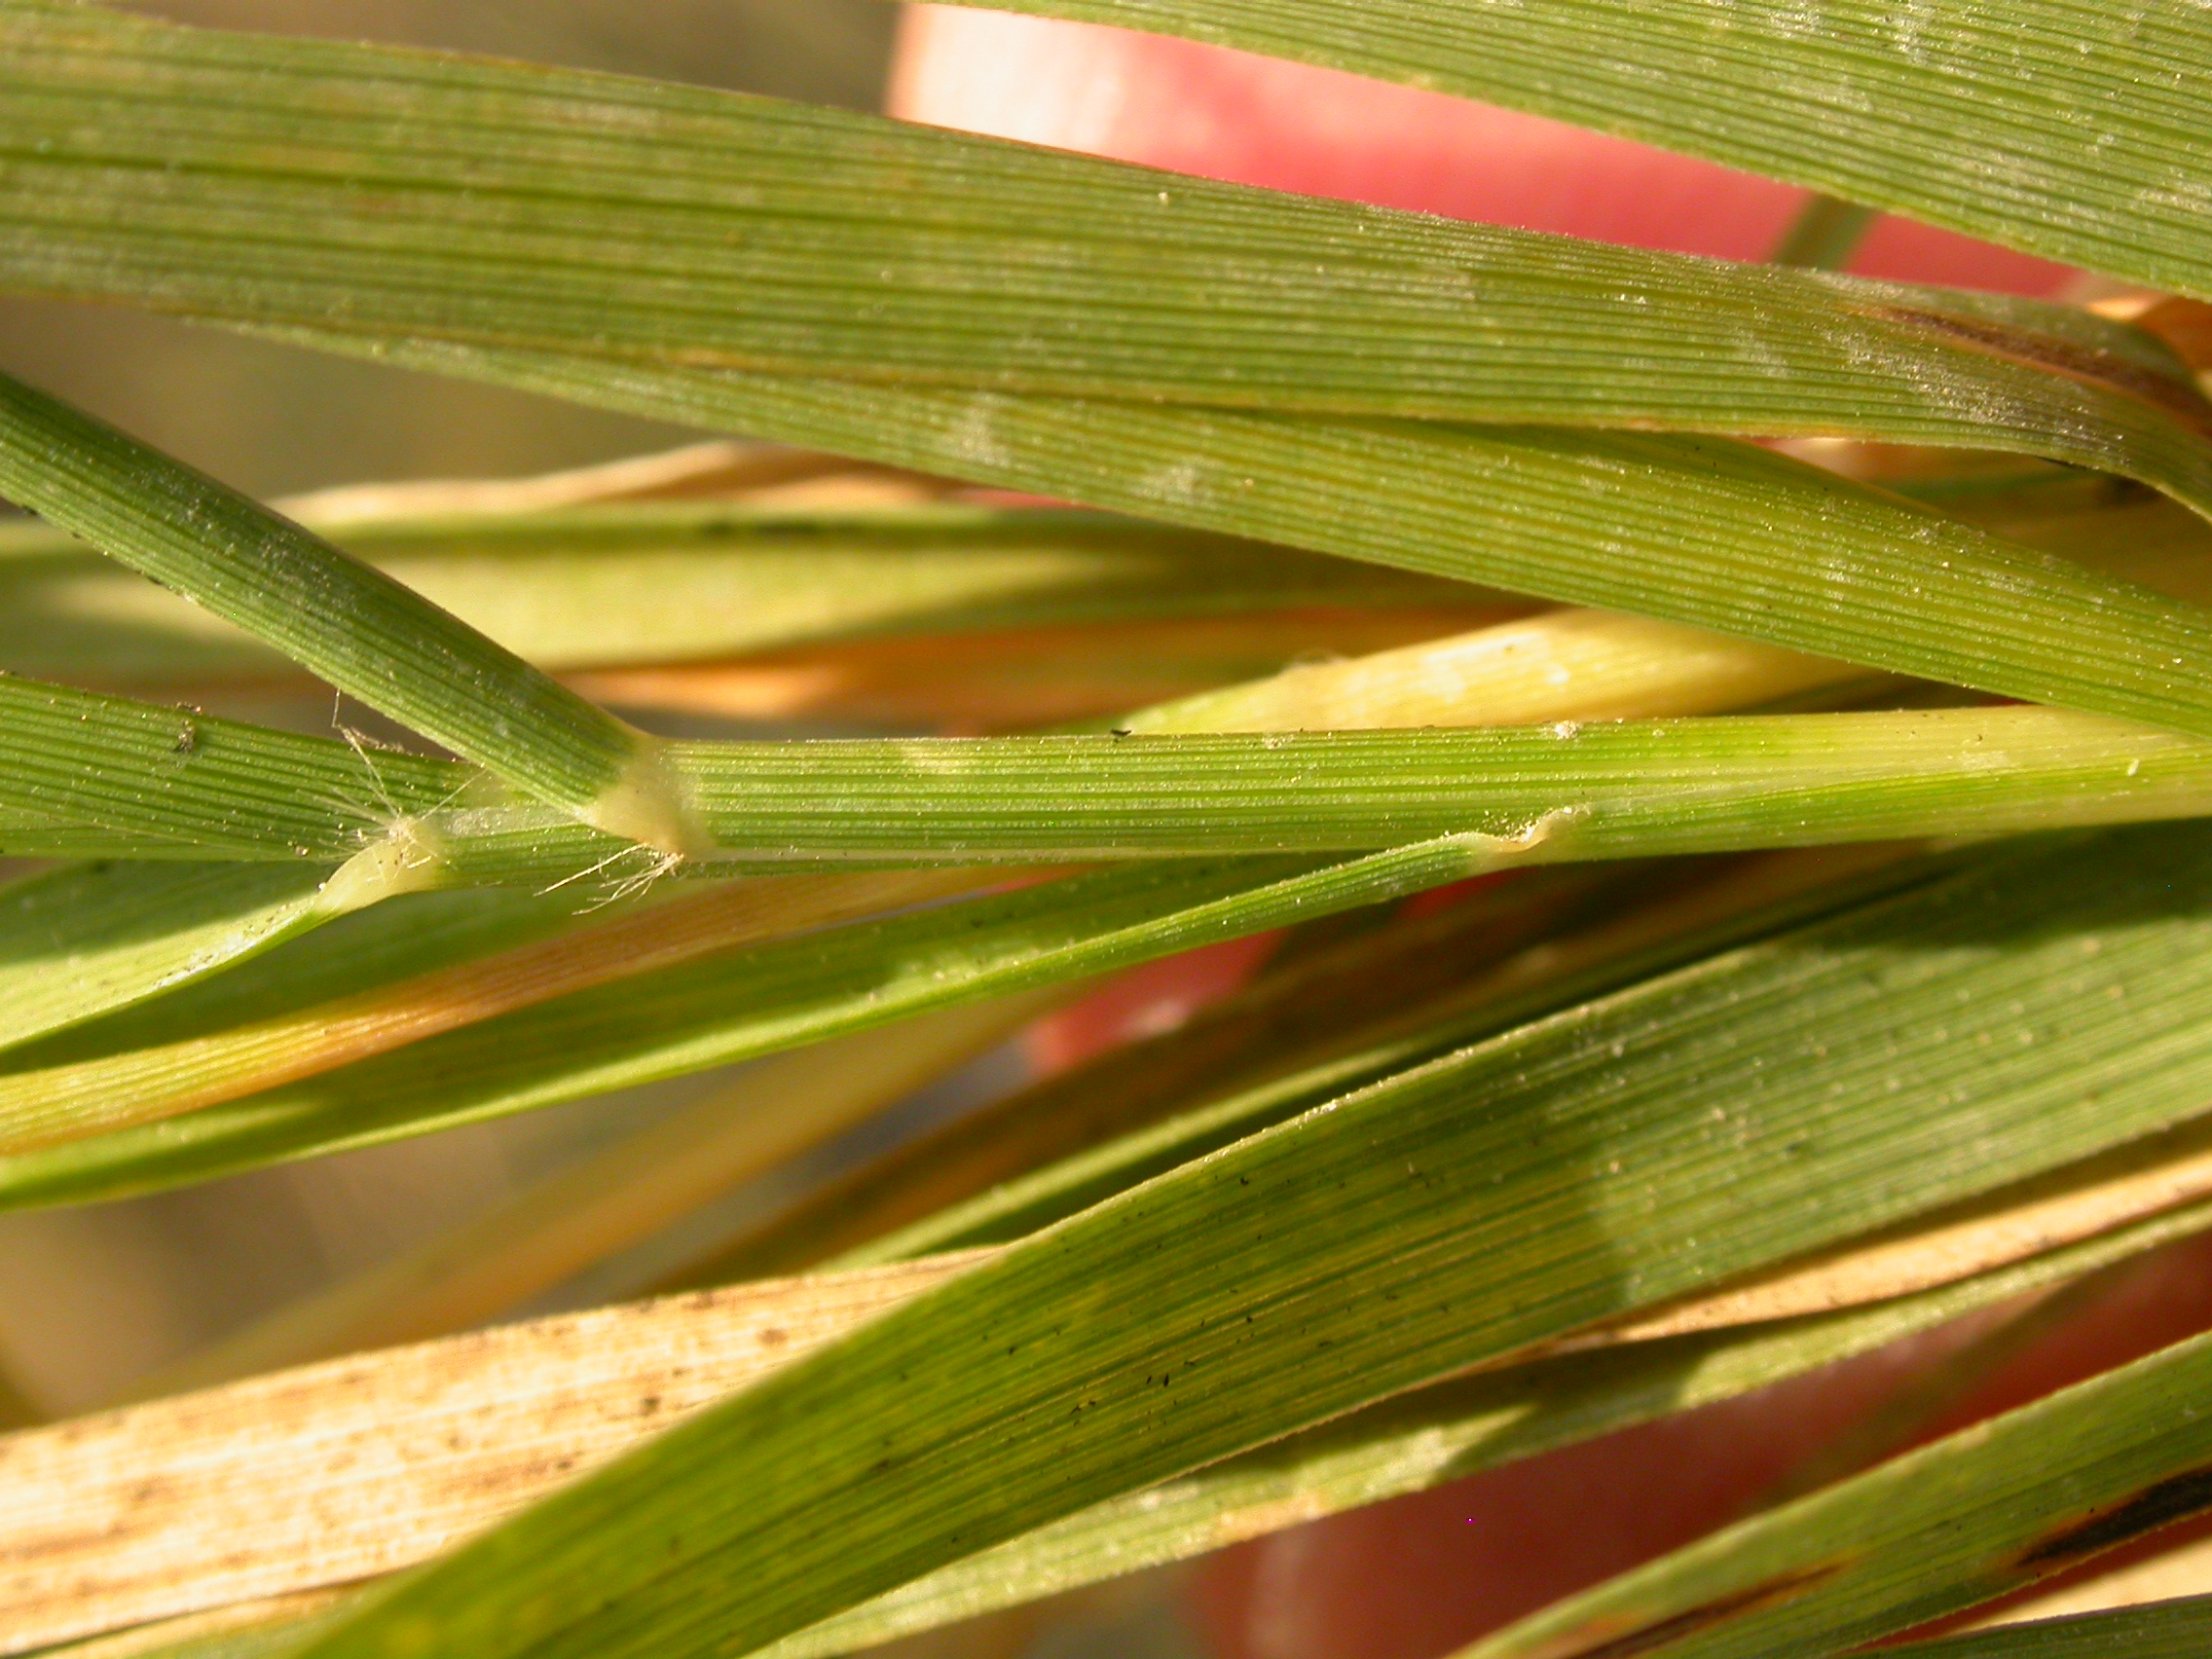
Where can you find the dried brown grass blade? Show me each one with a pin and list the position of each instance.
(345, 1471)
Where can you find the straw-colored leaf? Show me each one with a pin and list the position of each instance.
(361, 1465)
(1564, 664)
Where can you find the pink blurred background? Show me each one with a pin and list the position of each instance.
(1230, 115)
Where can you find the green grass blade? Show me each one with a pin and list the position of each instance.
(593, 587)
(167, 784)
(2160, 1630)
(412, 935)
(92, 776)
(378, 192)
(1154, 1137)
(354, 626)
(1961, 1521)
(1388, 1241)
(1471, 800)
(2071, 130)
(1432, 1436)
(1545, 794)
(1322, 998)
(1419, 1440)
(722, 1009)
(1704, 531)
(87, 941)
(134, 1071)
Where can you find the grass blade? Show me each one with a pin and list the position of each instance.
(1079, 675)
(680, 582)
(536, 1400)
(358, 629)
(314, 183)
(1432, 1436)
(1553, 793)
(132, 778)
(1963, 1521)
(1366, 1248)
(723, 1010)
(1701, 532)
(2169, 1630)
(1825, 236)
(1152, 1133)
(2185, 1570)
(153, 782)
(84, 942)
(582, 1214)
(1534, 796)
(93, 776)
(48, 1098)
(1562, 665)
(389, 1407)
(1270, 1026)
(2064, 129)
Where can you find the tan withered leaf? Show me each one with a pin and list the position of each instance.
(352, 1468)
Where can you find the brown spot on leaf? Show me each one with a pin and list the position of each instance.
(2076, 361)
(2159, 1504)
